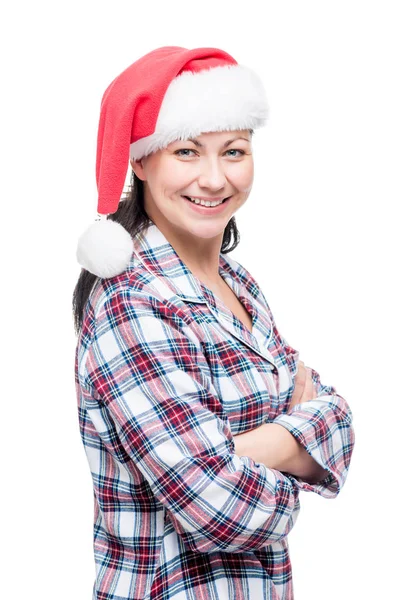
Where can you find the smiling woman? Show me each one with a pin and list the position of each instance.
(192, 193)
(178, 353)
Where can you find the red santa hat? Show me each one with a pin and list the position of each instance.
(169, 94)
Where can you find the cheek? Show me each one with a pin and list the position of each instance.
(177, 176)
(243, 178)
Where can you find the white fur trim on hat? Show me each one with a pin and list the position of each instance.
(218, 99)
(105, 248)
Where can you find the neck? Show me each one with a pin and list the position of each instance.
(200, 255)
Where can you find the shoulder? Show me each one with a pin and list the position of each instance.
(132, 295)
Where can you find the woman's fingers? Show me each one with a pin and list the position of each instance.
(309, 391)
(304, 389)
(314, 390)
(312, 386)
(299, 382)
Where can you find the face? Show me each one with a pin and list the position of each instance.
(215, 166)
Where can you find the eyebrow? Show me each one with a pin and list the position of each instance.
(199, 145)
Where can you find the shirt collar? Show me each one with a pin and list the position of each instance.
(159, 257)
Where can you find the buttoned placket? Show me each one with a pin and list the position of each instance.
(258, 339)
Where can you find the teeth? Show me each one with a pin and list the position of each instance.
(205, 202)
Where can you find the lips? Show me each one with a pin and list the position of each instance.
(209, 211)
(224, 200)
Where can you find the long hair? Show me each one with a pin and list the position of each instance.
(132, 215)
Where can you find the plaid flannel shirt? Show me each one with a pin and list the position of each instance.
(165, 376)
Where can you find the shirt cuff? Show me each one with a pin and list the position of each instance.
(307, 432)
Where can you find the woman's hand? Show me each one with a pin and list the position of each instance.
(265, 444)
(304, 389)
(275, 447)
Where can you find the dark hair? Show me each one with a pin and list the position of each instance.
(132, 215)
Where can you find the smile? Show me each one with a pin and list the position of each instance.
(206, 203)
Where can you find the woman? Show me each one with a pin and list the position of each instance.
(200, 423)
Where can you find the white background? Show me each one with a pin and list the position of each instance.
(319, 232)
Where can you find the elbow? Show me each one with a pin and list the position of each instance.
(342, 409)
(201, 542)
(223, 533)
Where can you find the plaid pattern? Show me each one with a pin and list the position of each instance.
(165, 376)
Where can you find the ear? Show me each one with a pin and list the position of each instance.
(137, 168)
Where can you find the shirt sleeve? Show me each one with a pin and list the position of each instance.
(323, 426)
(146, 367)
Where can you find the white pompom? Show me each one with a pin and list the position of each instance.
(105, 248)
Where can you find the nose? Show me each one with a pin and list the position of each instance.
(212, 174)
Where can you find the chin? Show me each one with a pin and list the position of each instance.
(207, 231)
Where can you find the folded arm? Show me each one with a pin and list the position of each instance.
(146, 368)
(275, 447)
(322, 426)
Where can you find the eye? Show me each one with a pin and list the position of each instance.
(235, 150)
(190, 150)
(183, 150)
